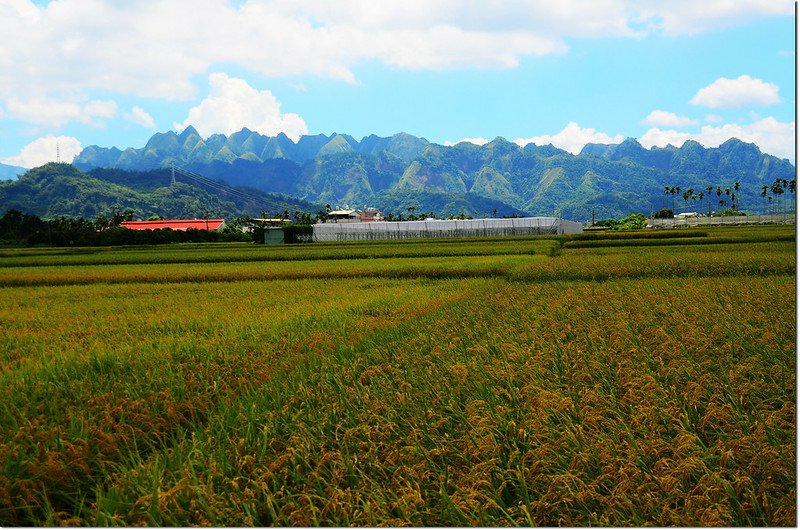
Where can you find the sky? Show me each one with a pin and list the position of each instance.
(75, 73)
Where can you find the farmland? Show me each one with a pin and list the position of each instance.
(637, 379)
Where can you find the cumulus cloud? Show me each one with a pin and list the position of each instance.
(233, 104)
(55, 113)
(137, 47)
(770, 135)
(44, 150)
(661, 118)
(739, 92)
(139, 116)
(476, 141)
(572, 138)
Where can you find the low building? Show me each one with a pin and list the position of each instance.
(348, 215)
(249, 225)
(370, 215)
(176, 224)
(344, 216)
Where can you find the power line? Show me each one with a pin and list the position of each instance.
(216, 185)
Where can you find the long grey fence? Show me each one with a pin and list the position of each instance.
(436, 228)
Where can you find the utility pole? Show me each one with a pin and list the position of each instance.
(592, 215)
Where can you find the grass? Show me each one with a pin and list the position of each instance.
(247, 252)
(624, 386)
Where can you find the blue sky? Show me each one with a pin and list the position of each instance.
(99, 72)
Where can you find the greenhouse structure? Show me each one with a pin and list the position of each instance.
(433, 228)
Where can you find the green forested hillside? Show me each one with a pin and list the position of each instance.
(391, 173)
(55, 190)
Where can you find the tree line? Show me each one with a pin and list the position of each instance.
(728, 198)
(21, 229)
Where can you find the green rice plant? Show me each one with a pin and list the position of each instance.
(615, 386)
(520, 437)
(243, 252)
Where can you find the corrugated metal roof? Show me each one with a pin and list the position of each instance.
(176, 224)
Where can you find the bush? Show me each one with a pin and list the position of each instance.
(664, 213)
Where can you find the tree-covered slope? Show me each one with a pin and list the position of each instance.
(611, 180)
(55, 190)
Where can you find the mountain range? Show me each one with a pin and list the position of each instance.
(10, 172)
(403, 171)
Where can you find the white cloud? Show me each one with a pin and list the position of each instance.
(661, 118)
(739, 92)
(476, 141)
(55, 113)
(689, 17)
(99, 109)
(139, 116)
(572, 138)
(156, 48)
(234, 104)
(44, 150)
(770, 135)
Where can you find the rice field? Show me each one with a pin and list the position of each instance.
(519, 381)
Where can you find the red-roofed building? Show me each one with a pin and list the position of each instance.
(176, 224)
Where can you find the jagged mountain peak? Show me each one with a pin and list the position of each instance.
(737, 144)
(692, 145)
(188, 131)
(499, 140)
(535, 179)
(162, 140)
(544, 150)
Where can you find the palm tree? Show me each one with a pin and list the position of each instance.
(673, 190)
(777, 189)
(784, 185)
(689, 195)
